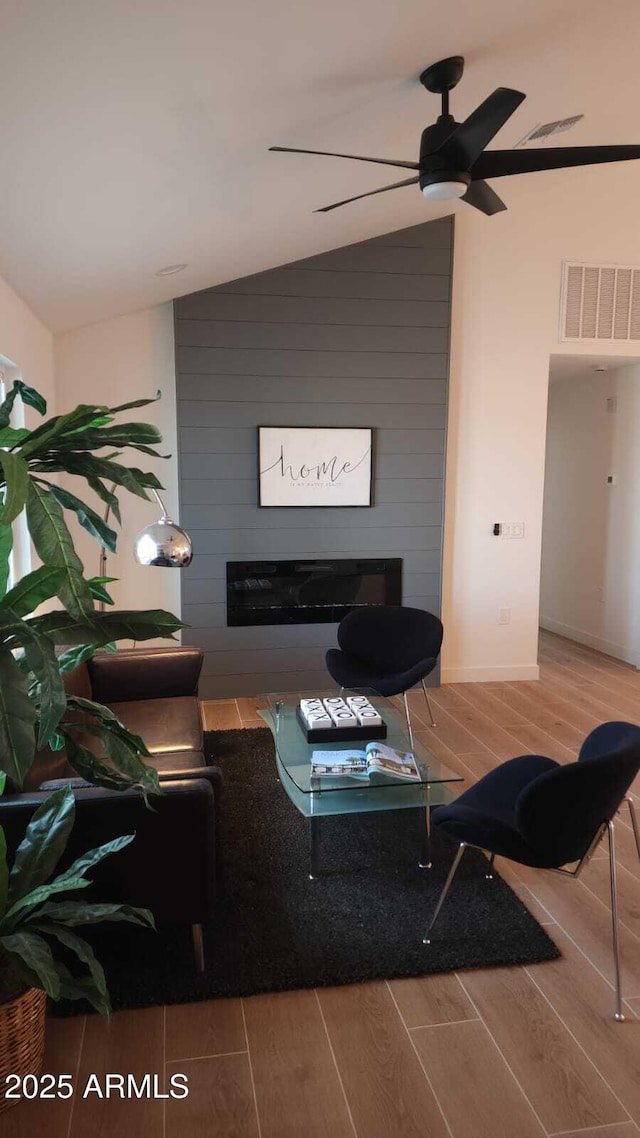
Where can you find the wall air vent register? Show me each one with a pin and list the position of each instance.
(600, 302)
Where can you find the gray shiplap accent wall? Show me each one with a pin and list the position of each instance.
(355, 337)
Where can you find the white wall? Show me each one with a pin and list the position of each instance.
(590, 587)
(505, 325)
(130, 357)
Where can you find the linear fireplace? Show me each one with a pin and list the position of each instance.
(320, 591)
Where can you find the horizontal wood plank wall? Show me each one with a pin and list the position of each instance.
(355, 337)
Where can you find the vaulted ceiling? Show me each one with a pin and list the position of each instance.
(134, 134)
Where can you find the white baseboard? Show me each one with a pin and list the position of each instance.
(488, 674)
(620, 651)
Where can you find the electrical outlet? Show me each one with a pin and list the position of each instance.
(512, 529)
(503, 616)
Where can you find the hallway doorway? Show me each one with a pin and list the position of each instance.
(590, 568)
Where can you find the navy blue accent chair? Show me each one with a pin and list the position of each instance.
(537, 812)
(388, 649)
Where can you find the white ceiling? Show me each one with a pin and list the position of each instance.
(134, 134)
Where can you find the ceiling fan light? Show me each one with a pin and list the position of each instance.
(444, 191)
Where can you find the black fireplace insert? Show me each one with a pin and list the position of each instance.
(320, 591)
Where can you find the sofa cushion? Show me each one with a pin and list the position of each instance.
(145, 673)
(168, 726)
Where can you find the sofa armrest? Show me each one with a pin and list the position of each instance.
(210, 774)
(144, 673)
(169, 868)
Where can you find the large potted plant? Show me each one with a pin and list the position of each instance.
(37, 920)
(35, 711)
(37, 650)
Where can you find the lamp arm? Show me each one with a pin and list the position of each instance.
(160, 503)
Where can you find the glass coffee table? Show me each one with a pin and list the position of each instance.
(317, 797)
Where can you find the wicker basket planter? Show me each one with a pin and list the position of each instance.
(21, 1038)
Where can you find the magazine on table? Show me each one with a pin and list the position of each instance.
(375, 759)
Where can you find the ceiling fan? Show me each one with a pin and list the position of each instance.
(453, 161)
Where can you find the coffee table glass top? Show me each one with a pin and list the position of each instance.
(344, 794)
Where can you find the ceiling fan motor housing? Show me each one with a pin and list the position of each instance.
(434, 177)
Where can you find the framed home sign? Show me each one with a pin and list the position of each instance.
(315, 466)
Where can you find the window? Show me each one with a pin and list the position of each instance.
(20, 560)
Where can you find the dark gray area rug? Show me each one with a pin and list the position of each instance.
(362, 918)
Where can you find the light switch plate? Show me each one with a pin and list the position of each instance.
(512, 529)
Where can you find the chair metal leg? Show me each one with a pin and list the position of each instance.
(198, 946)
(456, 862)
(618, 1014)
(634, 822)
(424, 688)
(408, 717)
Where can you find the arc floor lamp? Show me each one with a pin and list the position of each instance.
(163, 544)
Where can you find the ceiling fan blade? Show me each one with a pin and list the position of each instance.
(382, 190)
(502, 163)
(355, 157)
(484, 198)
(469, 139)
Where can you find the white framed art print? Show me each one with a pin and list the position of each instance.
(315, 466)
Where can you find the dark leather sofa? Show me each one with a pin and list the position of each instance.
(170, 867)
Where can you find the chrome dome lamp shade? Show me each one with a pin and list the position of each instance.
(163, 543)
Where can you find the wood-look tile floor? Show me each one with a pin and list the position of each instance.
(499, 1053)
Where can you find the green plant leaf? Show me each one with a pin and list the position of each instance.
(92, 857)
(3, 782)
(40, 657)
(4, 873)
(54, 546)
(33, 589)
(31, 397)
(16, 477)
(73, 657)
(88, 518)
(84, 463)
(136, 403)
(43, 843)
(13, 436)
(123, 752)
(98, 591)
(96, 437)
(20, 912)
(55, 429)
(75, 913)
(82, 950)
(92, 768)
(125, 757)
(103, 627)
(6, 545)
(6, 407)
(109, 721)
(17, 719)
(34, 951)
(105, 494)
(82, 988)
